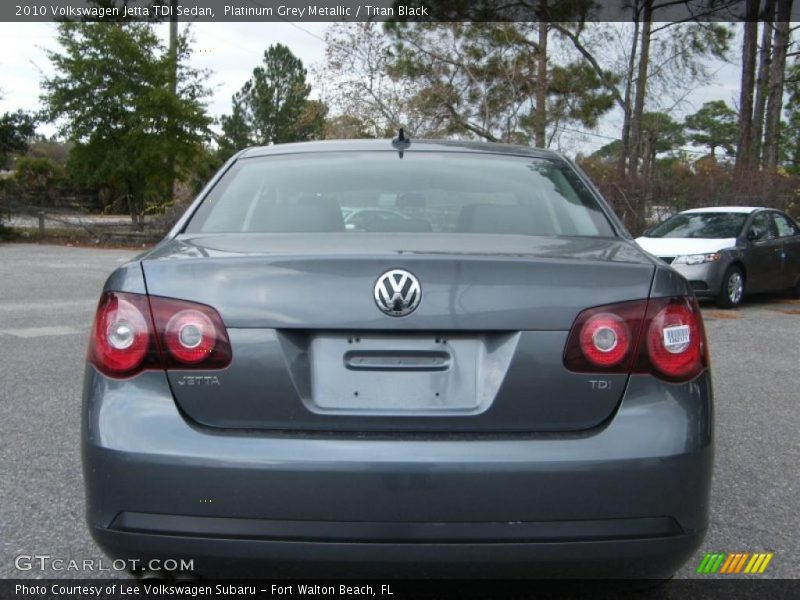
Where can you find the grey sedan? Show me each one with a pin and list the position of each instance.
(726, 251)
(502, 383)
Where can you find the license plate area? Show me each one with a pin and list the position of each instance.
(396, 374)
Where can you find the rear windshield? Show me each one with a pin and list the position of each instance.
(700, 225)
(422, 192)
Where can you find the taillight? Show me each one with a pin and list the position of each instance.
(675, 339)
(121, 339)
(603, 339)
(128, 337)
(191, 335)
(662, 336)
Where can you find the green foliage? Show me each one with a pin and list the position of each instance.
(688, 44)
(578, 93)
(205, 165)
(57, 151)
(715, 125)
(236, 130)
(38, 172)
(481, 79)
(273, 106)
(110, 95)
(609, 151)
(6, 234)
(39, 179)
(15, 130)
(661, 133)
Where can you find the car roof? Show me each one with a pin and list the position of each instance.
(386, 144)
(724, 209)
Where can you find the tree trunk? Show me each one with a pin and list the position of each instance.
(641, 89)
(744, 147)
(540, 126)
(648, 158)
(765, 53)
(135, 212)
(626, 109)
(135, 199)
(775, 89)
(173, 87)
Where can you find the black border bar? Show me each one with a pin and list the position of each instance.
(373, 10)
(397, 589)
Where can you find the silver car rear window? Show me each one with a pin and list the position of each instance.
(420, 192)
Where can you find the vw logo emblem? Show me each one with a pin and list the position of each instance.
(397, 293)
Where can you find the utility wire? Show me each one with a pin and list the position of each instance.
(285, 20)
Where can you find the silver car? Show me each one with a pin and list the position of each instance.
(501, 384)
(727, 251)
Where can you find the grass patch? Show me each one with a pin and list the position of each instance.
(7, 234)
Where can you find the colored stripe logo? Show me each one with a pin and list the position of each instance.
(734, 563)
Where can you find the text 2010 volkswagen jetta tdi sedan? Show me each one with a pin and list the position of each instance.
(496, 381)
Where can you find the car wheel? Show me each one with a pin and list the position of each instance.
(731, 291)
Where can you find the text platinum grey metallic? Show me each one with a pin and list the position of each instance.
(485, 377)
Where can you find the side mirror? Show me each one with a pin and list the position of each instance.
(752, 236)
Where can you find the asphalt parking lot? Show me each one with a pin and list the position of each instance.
(47, 298)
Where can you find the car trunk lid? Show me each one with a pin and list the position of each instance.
(313, 351)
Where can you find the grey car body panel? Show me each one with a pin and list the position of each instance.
(303, 285)
(142, 456)
(417, 145)
(521, 478)
(127, 278)
(667, 282)
(240, 464)
(637, 558)
(330, 284)
(710, 275)
(139, 416)
(536, 392)
(772, 264)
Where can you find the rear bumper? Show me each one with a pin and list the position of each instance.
(245, 557)
(628, 499)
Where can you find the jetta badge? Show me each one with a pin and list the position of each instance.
(397, 293)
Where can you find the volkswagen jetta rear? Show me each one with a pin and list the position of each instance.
(496, 381)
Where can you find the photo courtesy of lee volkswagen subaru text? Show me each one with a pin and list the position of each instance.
(481, 375)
